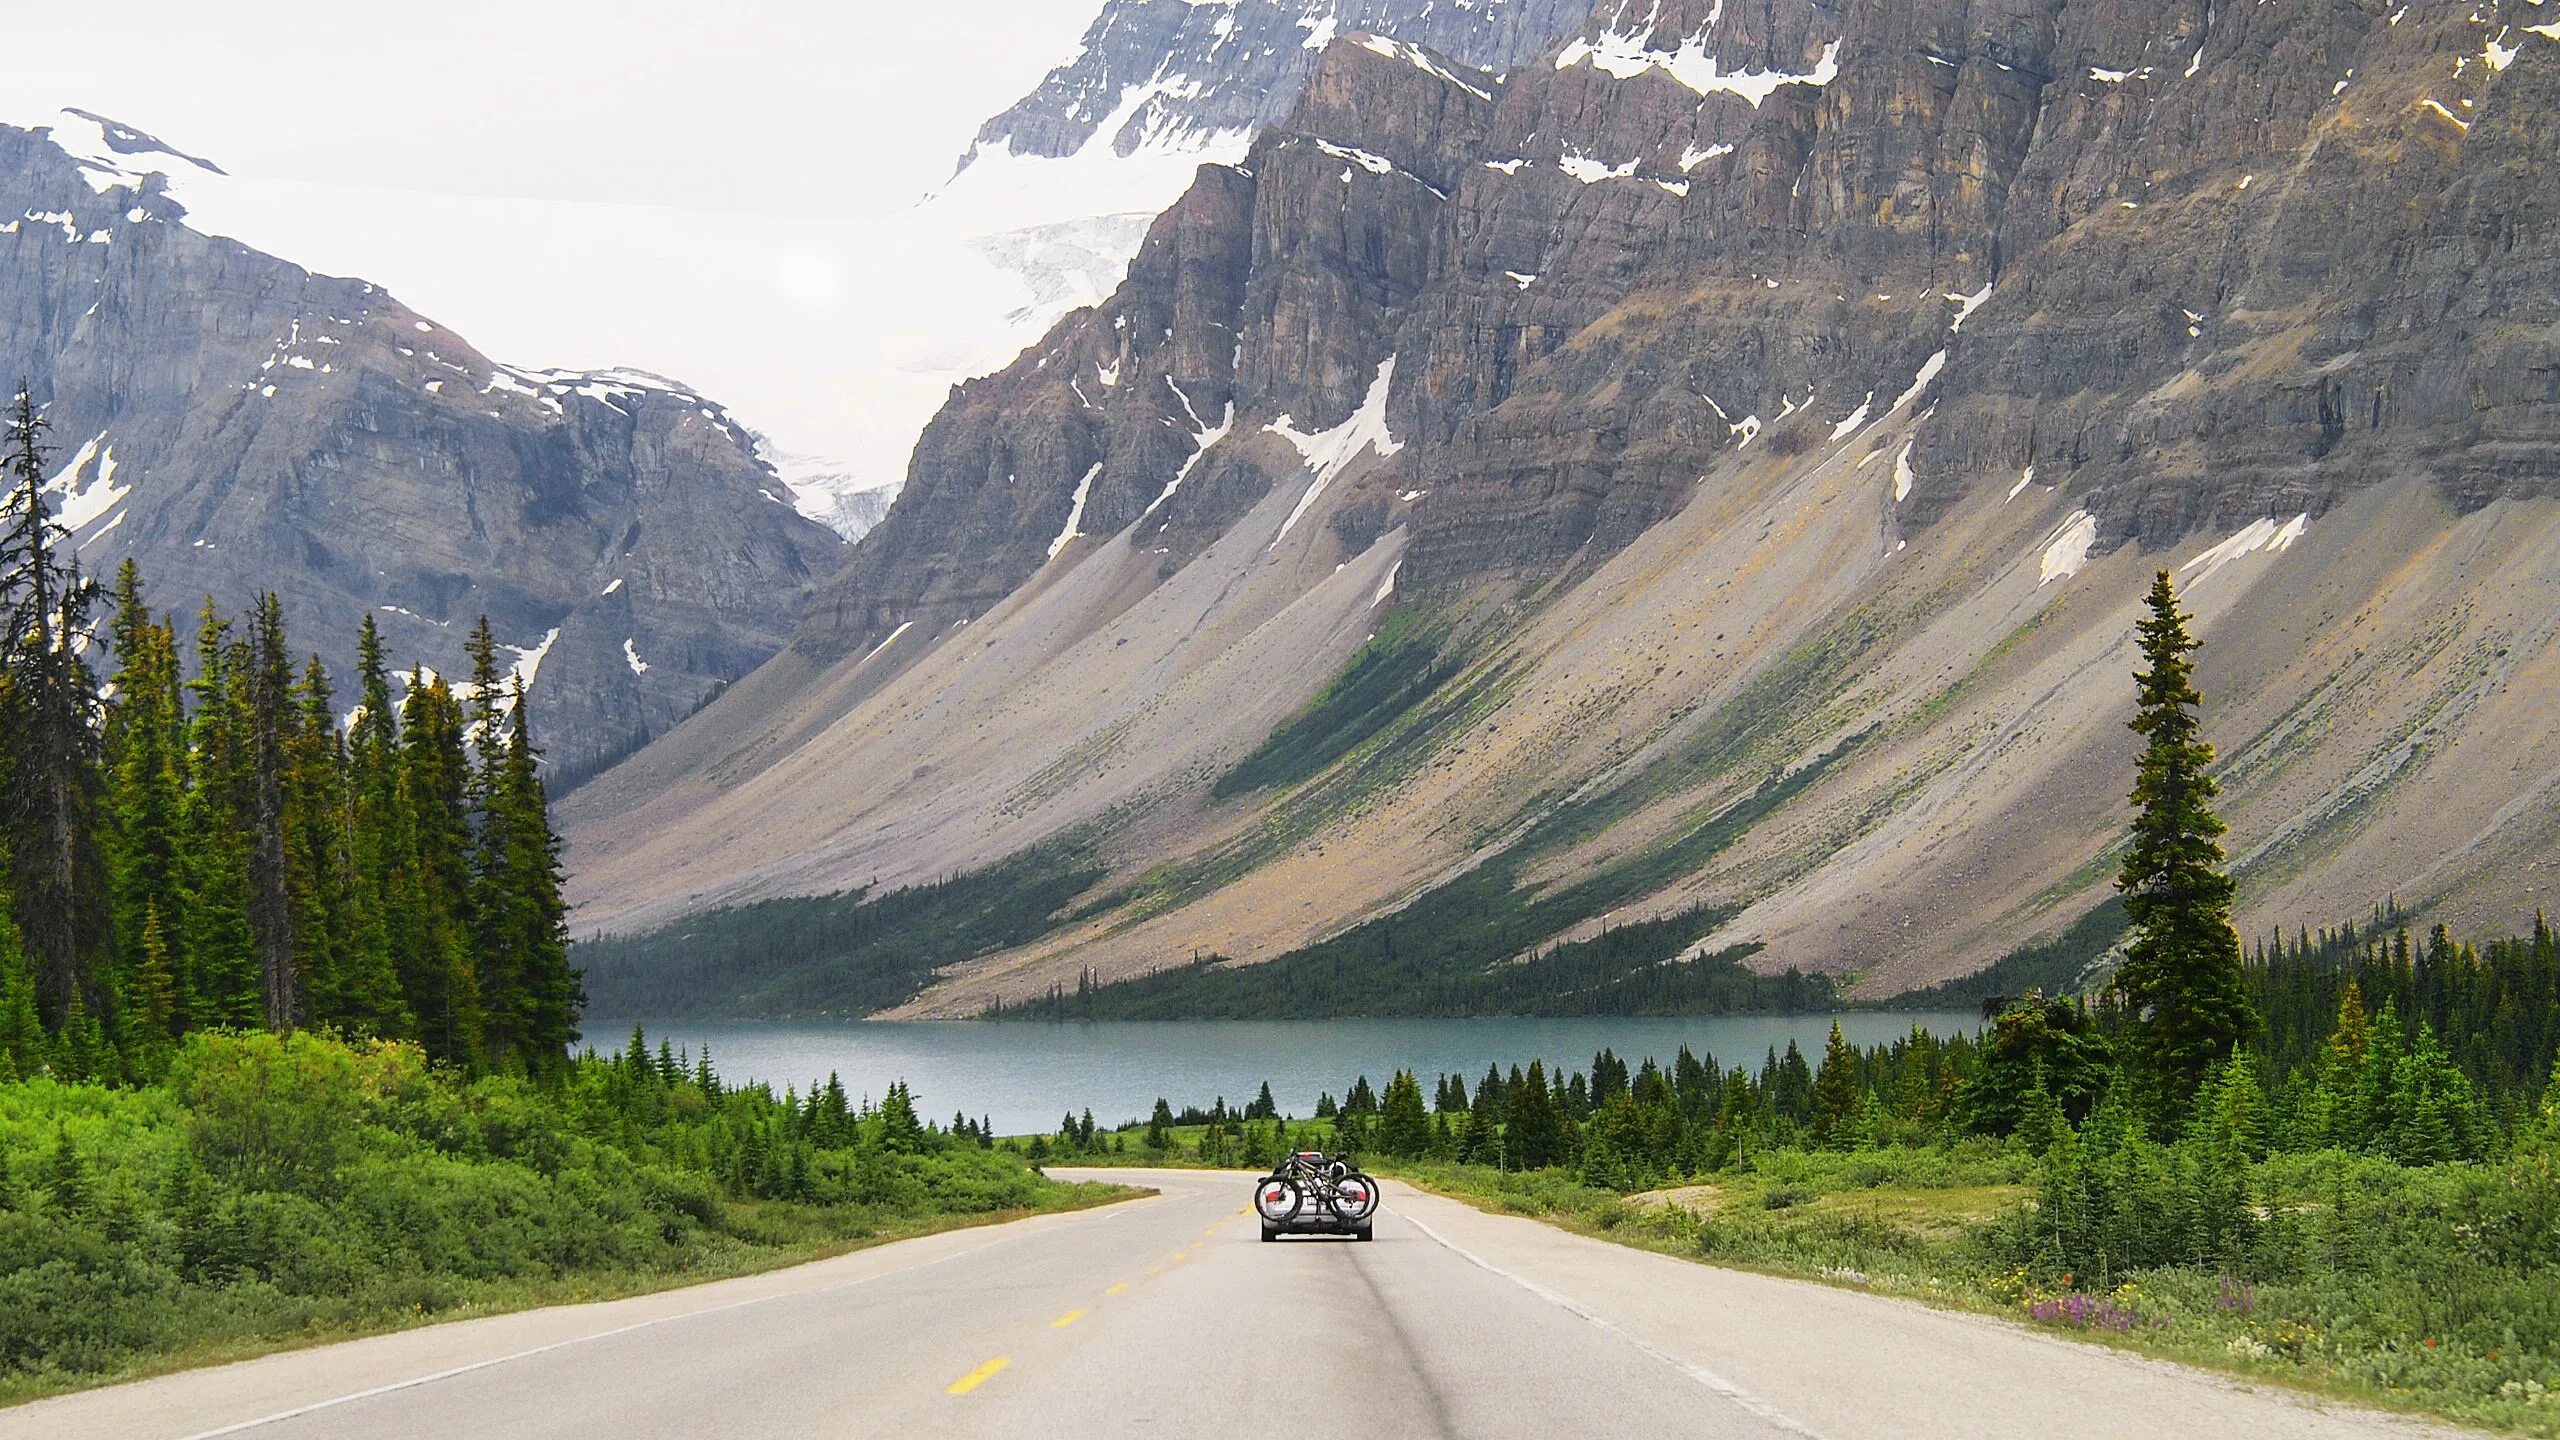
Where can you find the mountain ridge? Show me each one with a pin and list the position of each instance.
(1786, 401)
(238, 424)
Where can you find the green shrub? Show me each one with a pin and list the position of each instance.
(275, 1187)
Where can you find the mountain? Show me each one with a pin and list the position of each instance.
(237, 424)
(1055, 195)
(1157, 75)
(1700, 487)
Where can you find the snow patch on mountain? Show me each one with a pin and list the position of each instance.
(1074, 530)
(2269, 535)
(81, 502)
(1328, 453)
(1628, 54)
(2066, 551)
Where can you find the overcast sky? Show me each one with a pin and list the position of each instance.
(810, 107)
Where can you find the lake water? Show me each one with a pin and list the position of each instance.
(1025, 1075)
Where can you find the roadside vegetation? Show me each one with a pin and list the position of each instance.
(2371, 1212)
(286, 1014)
(272, 1191)
(2330, 1160)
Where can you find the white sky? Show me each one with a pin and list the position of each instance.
(723, 193)
(835, 108)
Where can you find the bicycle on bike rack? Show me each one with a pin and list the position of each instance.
(1307, 1194)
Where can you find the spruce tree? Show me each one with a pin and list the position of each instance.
(145, 762)
(267, 680)
(2339, 1098)
(1837, 1095)
(1533, 1128)
(318, 862)
(527, 919)
(1404, 1125)
(2181, 980)
(901, 1133)
(49, 772)
(218, 977)
(151, 995)
(429, 891)
(1478, 1142)
(487, 901)
(374, 995)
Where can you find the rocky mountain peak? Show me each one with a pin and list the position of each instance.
(1203, 77)
(237, 424)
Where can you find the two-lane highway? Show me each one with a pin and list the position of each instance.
(1168, 1316)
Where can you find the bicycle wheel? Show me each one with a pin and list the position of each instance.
(1355, 1198)
(1276, 1199)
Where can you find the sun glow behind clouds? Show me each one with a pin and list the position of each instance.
(811, 281)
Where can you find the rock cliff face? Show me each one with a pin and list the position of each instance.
(1153, 72)
(237, 424)
(1785, 398)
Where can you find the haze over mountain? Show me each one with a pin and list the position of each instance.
(1710, 468)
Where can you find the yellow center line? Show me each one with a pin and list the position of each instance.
(1116, 1289)
(979, 1376)
(1180, 1255)
(1063, 1321)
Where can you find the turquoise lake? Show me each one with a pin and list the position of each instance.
(1024, 1076)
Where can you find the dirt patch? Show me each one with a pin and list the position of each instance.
(1696, 1199)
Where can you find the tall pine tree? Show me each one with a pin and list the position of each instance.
(374, 999)
(534, 996)
(266, 678)
(218, 978)
(2181, 979)
(49, 738)
(428, 909)
(146, 779)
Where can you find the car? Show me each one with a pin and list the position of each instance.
(1308, 1194)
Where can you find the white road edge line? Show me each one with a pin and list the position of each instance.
(1699, 1373)
(414, 1382)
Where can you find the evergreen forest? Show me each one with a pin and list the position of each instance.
(287, 1012)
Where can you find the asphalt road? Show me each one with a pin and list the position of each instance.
(1167, 1316)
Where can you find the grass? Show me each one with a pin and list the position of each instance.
(1932, 1226)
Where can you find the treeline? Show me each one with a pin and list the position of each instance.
(1437, 963)
(846, 955)
(2395, 1082)
(2495, 1008)
(200, 843)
